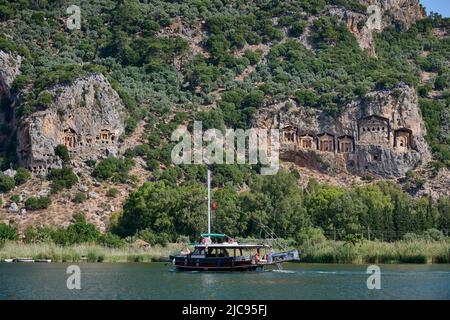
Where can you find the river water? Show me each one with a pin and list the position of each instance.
(157, 281)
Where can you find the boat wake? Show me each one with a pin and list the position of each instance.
(283, 271)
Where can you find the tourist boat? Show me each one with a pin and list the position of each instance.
(219, 252)
(227, 255)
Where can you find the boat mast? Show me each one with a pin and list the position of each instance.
(209, 201)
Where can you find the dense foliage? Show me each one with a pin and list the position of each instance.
(38, 203)
(154, 72)
(79, 232)
(157, 77)
(8, 232)
(114, 168)
(379, 211)
(63, 178)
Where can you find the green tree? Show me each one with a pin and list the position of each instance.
(79, 232)
(112, 167)
(444, 210)
(62, 152)
(228, 217)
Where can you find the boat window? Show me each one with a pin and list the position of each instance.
(223, 253)
(198, 251)
(211, 252)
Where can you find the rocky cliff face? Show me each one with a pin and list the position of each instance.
(356, 23)
(399, 13)
(86, 116)
(381, 134)
(9, 69)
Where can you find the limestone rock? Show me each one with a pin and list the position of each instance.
(43, 193)
(9, 69)
(399, 13)
(23, 211)
(10, 173)
(356, 23)
(83, 188)
(86, 116)
(93, 195)
(13, 207)
(381, 134)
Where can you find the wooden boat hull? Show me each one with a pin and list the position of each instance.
(222, 269)
(213, 264)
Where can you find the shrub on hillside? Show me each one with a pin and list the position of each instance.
(80, 197)
(22, 176)
(113, 168)
(37, 203)
(8, 232)
(112, 192)
(62, 152)
(62, 178)
(6, 183)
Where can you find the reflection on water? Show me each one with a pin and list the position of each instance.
(157, 281)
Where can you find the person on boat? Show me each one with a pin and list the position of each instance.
(225, 253)
(269, 257)
(186, 252)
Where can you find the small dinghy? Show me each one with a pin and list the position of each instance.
(7, 260)
(23, 260)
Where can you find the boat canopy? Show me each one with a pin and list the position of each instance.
(204, 235)
(233, 246)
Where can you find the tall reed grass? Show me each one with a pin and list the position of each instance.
(377, 252)
(88, 252)
(419, 251)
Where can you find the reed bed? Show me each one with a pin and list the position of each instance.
(88, 252)
(377, 252)
(419, 251)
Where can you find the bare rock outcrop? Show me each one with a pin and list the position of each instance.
(399, 13)
(86, 116)
(9, 69)
(381, 134)
(356, 23)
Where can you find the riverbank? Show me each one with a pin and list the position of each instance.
(423, 252)
(419, 251)
(88, 252)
